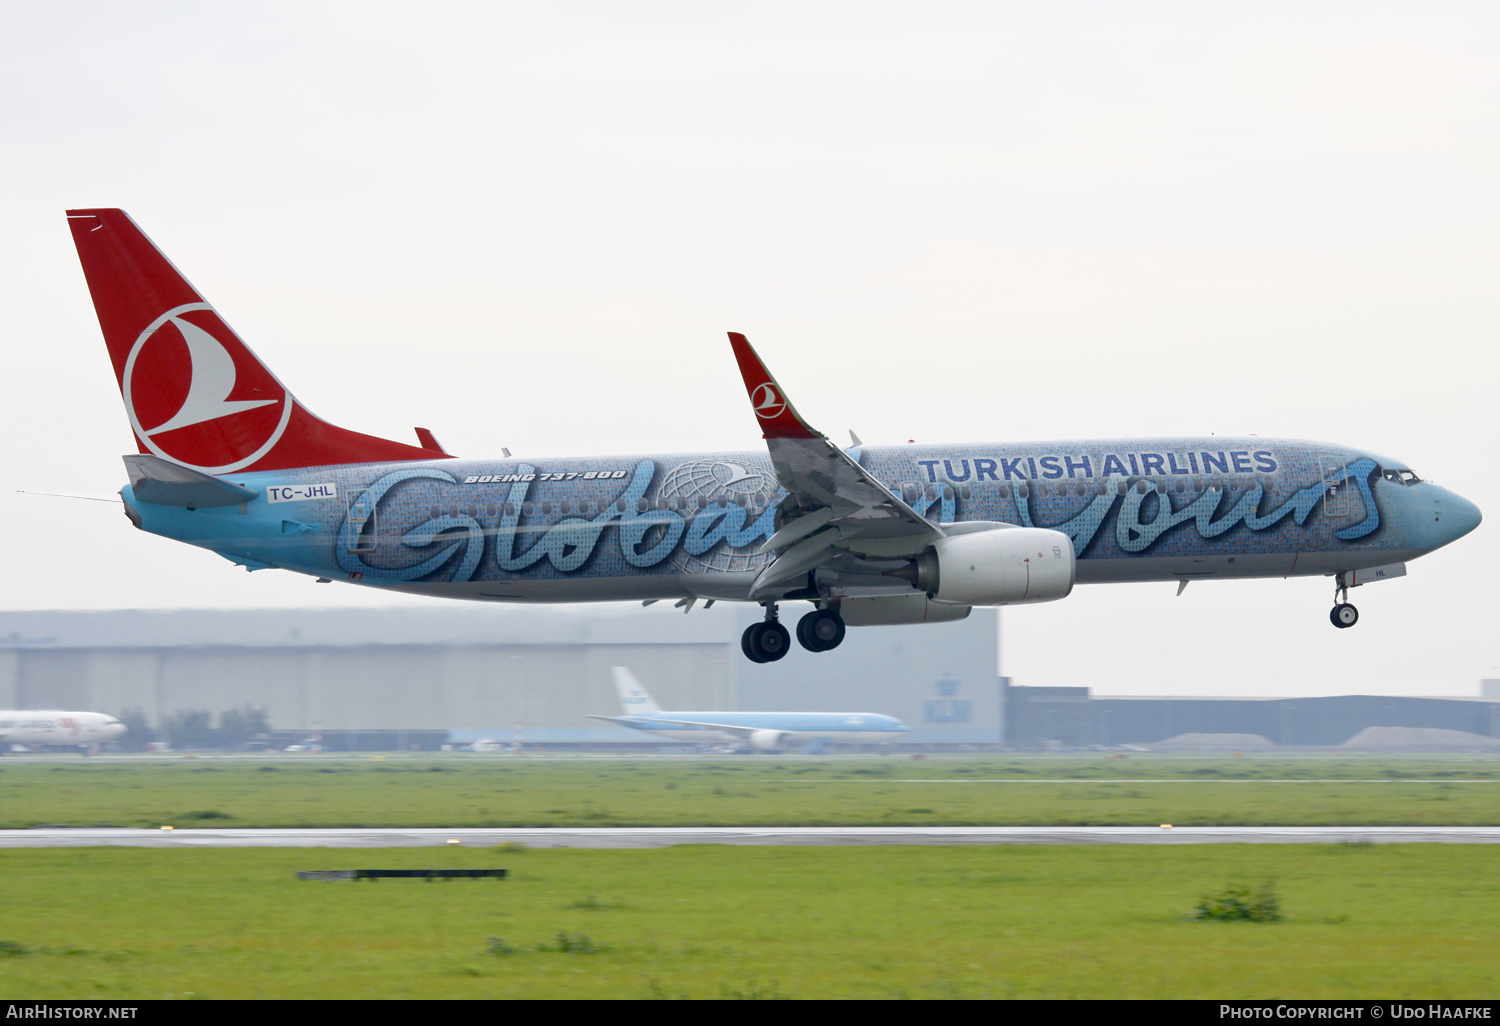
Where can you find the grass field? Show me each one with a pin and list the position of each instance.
(496, 792)
(1006, 921)
(754, 922)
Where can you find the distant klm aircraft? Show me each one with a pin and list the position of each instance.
(36, 728)
(232, 462)
(762, 731)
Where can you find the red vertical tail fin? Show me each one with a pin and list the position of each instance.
(194, 392)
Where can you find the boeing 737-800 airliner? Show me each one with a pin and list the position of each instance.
(230, 461)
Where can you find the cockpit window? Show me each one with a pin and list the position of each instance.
(1400, 476)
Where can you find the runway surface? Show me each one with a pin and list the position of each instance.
(659, 837)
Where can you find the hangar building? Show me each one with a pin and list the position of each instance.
(531, 673)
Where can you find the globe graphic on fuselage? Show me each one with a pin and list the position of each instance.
(712, 481)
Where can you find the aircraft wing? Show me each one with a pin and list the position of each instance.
(833, 503)
(705, 725)
(635, 721)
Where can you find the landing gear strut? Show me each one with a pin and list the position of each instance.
(1343, 614)
(767, 641)
(820, 630)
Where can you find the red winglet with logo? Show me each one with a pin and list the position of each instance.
(194, 392)
(778, 419)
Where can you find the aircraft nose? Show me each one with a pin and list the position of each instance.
(1454, 516)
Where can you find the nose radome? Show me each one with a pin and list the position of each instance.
(1457, 515)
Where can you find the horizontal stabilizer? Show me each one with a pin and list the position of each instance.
(154, 479)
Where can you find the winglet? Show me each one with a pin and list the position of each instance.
(778, 418)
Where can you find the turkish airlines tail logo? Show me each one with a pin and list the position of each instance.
(767, 402)
(194, 392)
(213, 379)
(196, 395)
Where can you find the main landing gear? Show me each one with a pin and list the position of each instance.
(1343, 614)
(768, 641)
(820, 630)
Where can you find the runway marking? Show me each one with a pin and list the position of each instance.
(659, 837)
(1123, 780)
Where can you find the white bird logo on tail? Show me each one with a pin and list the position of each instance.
(767, 401)
(212, 381)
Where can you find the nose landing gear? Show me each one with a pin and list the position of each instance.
(1343, 613)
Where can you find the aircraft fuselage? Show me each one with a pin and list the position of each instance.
(691, 525)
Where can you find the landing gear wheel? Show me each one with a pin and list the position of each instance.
(1344, 615)
(749, 643)
(820, 630)
(765, 642)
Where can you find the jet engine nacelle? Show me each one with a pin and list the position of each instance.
(1001, 567)
(766, 740)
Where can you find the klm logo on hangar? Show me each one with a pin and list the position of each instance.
(947, 708)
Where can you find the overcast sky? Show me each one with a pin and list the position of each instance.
(530, 225)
